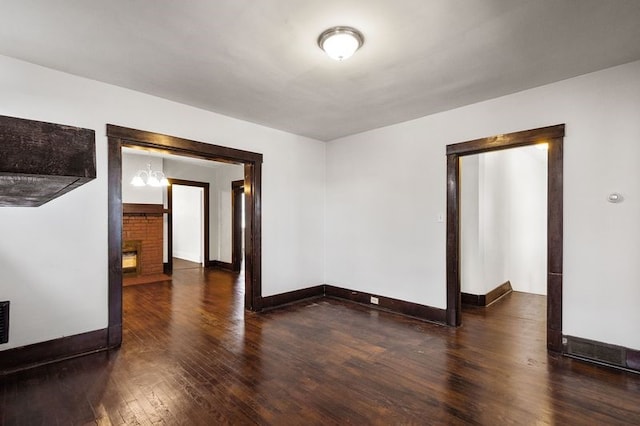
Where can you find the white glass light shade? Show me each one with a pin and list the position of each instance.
(150, 178)
(153, 181)
(137, 181)
(340, 43)
(340, 46)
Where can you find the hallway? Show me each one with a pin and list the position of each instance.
(192, 355)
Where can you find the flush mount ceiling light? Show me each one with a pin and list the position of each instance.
(340, 42)
(150, 178)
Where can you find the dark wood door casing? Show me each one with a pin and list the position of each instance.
(554, 137)
(119, 137)
(237, 189)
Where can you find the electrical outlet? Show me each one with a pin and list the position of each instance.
(374, 300)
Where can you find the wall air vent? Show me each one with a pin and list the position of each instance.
(4, 322)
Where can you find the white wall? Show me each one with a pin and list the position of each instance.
(503, 220)
(494, 219)
(386, 188)
(188, 231)
(471, 256)
(384, 192)
(66, 293)
(527, 268)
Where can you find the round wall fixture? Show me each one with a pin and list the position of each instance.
(340, 43)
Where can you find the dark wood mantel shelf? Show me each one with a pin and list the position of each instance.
(41, 161)
(146, 209)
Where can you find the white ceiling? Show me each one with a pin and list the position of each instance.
(258, 60)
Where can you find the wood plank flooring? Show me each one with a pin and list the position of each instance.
(184, 264)
(192, 356)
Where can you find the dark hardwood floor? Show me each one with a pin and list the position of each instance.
(184, 264)
(191, 355)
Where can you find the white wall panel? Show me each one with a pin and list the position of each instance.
(386, 187)
(53, 259)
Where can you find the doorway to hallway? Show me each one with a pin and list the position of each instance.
(553, 136)
(503, 224)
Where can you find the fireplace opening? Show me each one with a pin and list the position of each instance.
(131, 257)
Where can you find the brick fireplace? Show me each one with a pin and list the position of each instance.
(142, 243)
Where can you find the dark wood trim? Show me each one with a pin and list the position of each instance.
(454, 316)
(414, 310)
(486, 299)
(555, 233)
(115, 335)
(121, 136)
(24, 357)
(206, 213)
(553, 136)
(147, 209)
(471, 299)
(495, 294)
(253, 235)
(633, 359)
(168, 266)
(282, 299)
(554, 337)
(237, 188)
(114, 220)
(164, 143)
(509, 140)
(221, 265)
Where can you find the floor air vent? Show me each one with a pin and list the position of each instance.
(609, 354)
(4, 322)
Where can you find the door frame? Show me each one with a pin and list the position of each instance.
(119, 137)
(205, 214)
(554, 137)
(237, 188)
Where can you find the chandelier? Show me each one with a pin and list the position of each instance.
(149, 178)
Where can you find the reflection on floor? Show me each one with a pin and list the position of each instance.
(179, 264)
(192, 355)
(145, 279)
